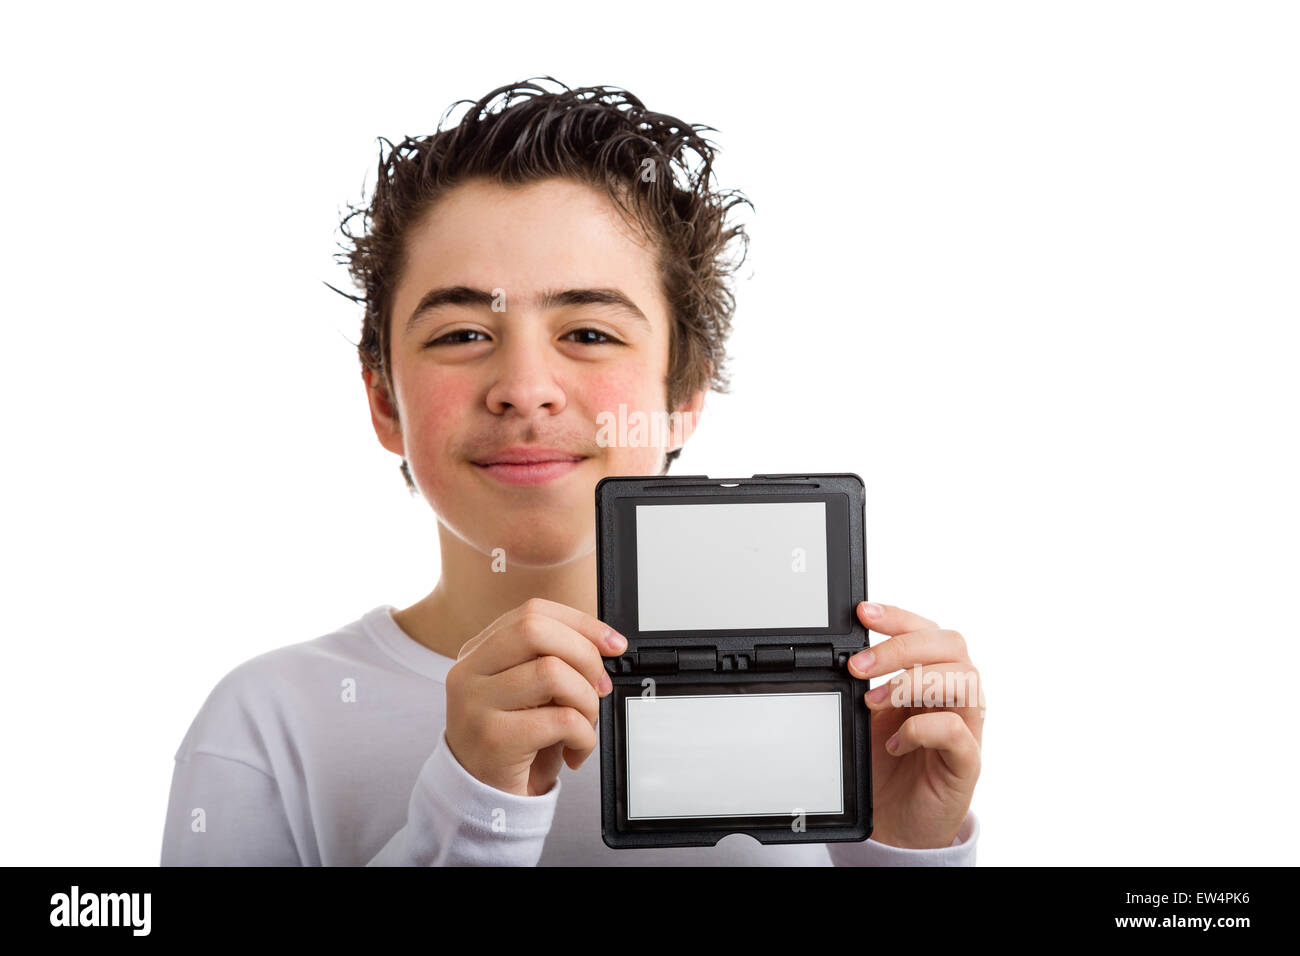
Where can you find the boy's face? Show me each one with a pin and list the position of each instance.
(473, 381)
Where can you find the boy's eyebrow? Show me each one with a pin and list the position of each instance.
(550, 299)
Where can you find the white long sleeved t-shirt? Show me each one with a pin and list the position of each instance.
(331, 752)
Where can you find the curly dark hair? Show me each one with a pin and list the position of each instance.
(601, 136)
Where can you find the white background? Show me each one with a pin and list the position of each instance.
(1028, 268)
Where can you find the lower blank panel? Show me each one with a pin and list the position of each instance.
(734, 755)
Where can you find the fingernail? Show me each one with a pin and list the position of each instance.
(615, 641)
(877, 694)
(892, 743)
(873, 611)
(863, 660)
(606, 685)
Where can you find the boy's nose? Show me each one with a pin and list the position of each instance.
(525, 383)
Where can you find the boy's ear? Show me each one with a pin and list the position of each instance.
(690, 412)
(383, 413)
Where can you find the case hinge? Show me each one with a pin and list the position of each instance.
(697, 659)
(659, 660)
(816, 655)
(773, 657)
(784, 657)
(670, 660)
(767, 657)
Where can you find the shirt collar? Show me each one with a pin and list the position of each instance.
(406, 650)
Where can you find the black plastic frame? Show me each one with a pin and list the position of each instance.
(616, 498)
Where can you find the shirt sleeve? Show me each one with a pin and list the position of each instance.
(871, 853)
(454, 819)
(225, 812)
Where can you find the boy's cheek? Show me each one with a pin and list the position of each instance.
(602, 401)
(631, 388)
(438, 409)
(433, 431)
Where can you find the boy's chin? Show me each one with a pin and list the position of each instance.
(543, 536)
(538, 553)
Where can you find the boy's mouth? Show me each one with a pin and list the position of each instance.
(529, 466)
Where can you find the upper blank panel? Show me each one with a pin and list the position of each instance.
(732, 565)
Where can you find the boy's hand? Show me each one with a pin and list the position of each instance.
(524, 694)
(922, 788)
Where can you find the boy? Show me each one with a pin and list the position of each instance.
(524, 271)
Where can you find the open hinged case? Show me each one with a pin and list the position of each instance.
(733, 710)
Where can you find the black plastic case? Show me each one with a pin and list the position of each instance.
(734, 661)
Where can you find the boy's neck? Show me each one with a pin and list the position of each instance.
(470, 595)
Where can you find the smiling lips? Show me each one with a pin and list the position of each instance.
(529, 466)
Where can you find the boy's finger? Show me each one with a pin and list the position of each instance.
(944, 732)
(538, 635)
(890, 620)
(958, 687)
(931, 646)
(543, 680)
(607, 640)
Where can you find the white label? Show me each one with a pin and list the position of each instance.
(734, 755)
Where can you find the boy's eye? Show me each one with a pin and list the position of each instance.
(449, 336)
(604, 336)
